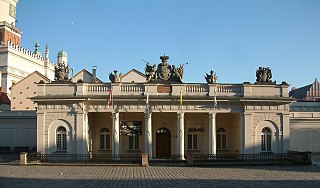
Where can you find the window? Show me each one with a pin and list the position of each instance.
(266, 140)
(105, 139)
(134, 142)
(192, 141)
(221, 139)
(61, 139)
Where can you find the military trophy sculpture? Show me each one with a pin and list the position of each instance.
(211, 78)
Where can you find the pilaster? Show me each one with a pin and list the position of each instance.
(246, 146)
(80, 124)
(285, 132)
(40, 132)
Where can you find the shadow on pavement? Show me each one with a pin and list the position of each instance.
(19, 182)
(9, 158)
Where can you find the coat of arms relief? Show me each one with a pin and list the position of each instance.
(164, 71)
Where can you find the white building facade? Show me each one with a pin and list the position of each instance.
(162, 118)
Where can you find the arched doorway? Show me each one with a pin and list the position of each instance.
(163, 142)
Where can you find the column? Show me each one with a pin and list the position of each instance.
(212, 134)
(89, 132)
(115, 134)
(180, 136)
(148, 134)
(87, 136)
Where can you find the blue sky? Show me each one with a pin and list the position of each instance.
(232, 37)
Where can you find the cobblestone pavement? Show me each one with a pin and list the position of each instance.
(12, 175)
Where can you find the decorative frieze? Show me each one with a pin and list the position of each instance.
(70, 106)
(257, 107)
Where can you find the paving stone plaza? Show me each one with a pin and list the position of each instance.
(13, 175)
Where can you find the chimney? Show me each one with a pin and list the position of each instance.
(94, 74)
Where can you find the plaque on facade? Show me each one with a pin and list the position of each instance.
(164, 72)
(164, 89)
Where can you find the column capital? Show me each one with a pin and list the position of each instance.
(148, 115)
(285, 114)
(115, 114)
(85, 107)
(246, 113)
(212, 114)
(148, 112)
(180, 114)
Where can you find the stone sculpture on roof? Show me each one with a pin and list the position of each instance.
(115, 77)
(164, 71)
(211, 78)
(264, 76)
(61, 72)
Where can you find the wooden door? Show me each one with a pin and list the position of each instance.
(163, 143)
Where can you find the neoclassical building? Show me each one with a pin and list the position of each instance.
(163, 116)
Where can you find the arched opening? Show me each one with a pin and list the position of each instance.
(163, 142)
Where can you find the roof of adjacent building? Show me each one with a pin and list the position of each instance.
(309, 92)
(134, 76)
(84, 71)
(35, 72)
(134, 70)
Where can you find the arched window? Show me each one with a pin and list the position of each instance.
(61, 139)
(104, 139)
(221, 139)
(266, 139)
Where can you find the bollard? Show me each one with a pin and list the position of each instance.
(23, 158)
(145, 160)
